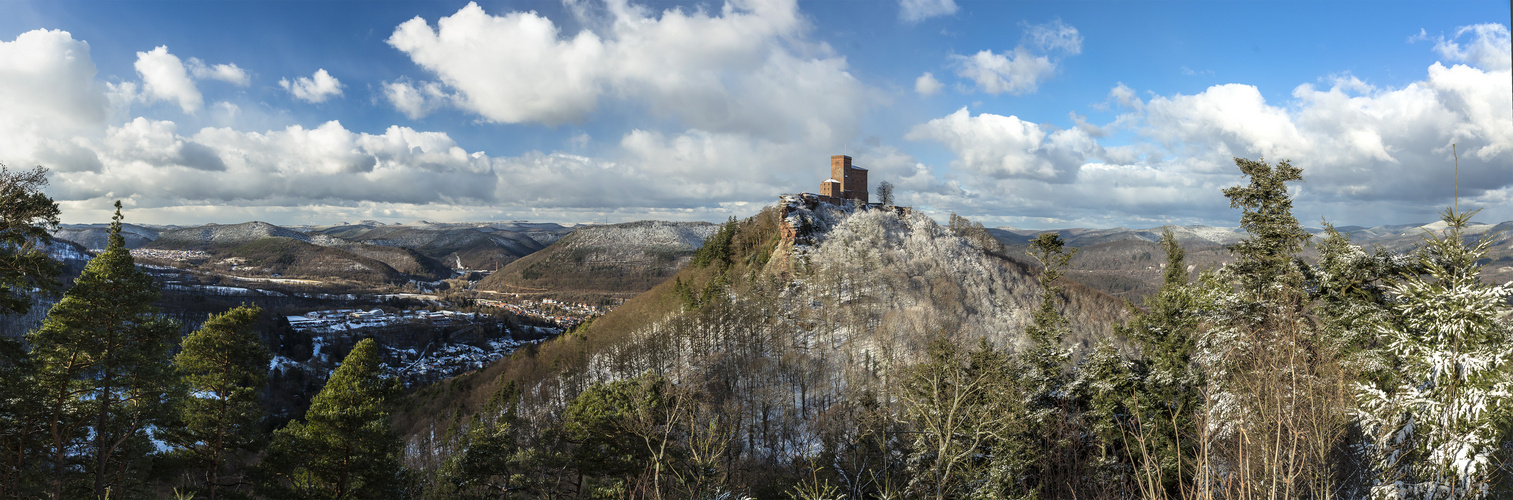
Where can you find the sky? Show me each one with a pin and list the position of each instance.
(1031, 114)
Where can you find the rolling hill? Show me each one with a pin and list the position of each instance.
(473, 246)
(262, 249)
(612, 260)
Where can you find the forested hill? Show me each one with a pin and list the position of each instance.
(777, 339)
(615, 259)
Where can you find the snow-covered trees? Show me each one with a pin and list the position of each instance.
(1434, 429)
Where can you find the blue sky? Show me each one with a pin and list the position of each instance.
(1030, 114)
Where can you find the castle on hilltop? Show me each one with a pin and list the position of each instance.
(846, 189)
(846, 182)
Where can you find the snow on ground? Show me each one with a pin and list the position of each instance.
(279, 362)
(434, 362)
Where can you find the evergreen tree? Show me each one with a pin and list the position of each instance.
(1047, 358)
(27, 218)
(492, 463)
(1349, 290)
(1052, 410)
(1435, 434)
(224, 369)
(1165, 333)
(1105, 381)
(618, 428)
(1277, 400)
(344, 448)
(102, 367)
(1265, 268)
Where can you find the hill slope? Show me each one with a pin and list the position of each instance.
(617, 259)
(262, 249)
(478, 246)
(772, 334)
(95, 235)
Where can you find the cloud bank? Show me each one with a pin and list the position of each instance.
(729, 108)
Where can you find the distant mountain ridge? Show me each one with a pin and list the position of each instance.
(631, 257)
(1200, 234)
(1127, 262)
(229, 234)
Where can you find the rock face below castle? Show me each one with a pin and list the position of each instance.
(805, 214)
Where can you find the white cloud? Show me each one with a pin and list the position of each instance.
(926, 84)
(1369, 154)
(316, 88)
(913, 11)
(748, 68)
(228, 73)
(48, 95)
(415, 102)
(150, 161)
(1490, 47)
(1023, 68)
(1015, 72)
(1054, 36)
(165, 79)
(1000, 147)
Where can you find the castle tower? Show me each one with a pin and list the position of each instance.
(853, 179)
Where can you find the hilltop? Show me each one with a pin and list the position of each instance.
(774, 328)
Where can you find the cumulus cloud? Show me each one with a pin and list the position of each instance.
(164, 78)
(1000, 147)
(315, 88)
(913, 11)
(1370, 154)
(748, 68)
(323, 165)
(49, 96)
(228, 73)
(47, 82)
(926, 84)
(1021, 69)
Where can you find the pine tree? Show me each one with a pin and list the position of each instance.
(1348, 288)
(102, 366)
(224, 369)
(344, 448)
(26, 218)
(1047, 358)
(1052, 410)
(1168, 397)
(492, 464)
(1435, 434)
